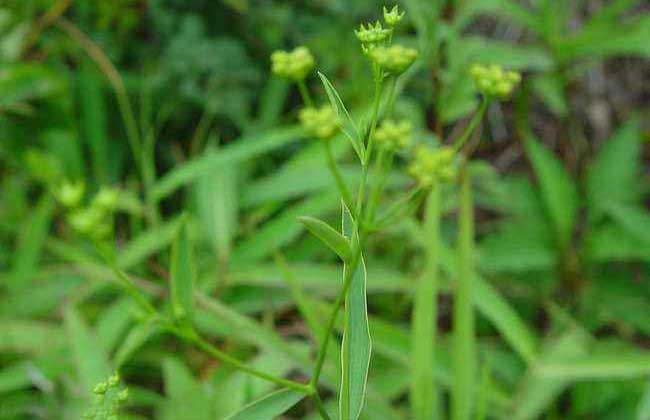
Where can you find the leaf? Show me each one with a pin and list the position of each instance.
(589, 368)
(549, 88)
(93, 120)
(270, 406)
(349, 127)
(90, 359)
(30, 244)
(148, 243)
(134, 340)
(27, 337)
(182, 276)
(20, 83)
(633, 219)
(356, 346)
(613, 175)
(558, 191)
(329, 236)
(243, 149)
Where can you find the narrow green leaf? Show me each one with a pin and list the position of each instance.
(634, 219)
(424, 396)
(90, 359)
(589, 368)
(558, 190)
(148, 243)
(613, 175)
(270, 406)
(329, 236)
(356, 346)
(643, 409)
(349, 127)
(134, 340)
(464, 339)
(182, 277)
(240, 150)
(93, 120)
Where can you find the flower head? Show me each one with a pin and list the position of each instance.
(493, 81)
(395, 59)
(394, 135)
(70, 194)
(109, 398)
(433, 165)
(393, 17)
(321, 123)
(294, 65)
(372, 34)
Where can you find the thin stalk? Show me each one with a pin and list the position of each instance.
(424, 395)
(383, 165)
(320, 406)
(474, 122)
(464, 335)
(208, 348)
(334, 169)
(390, 102)
(304, 92)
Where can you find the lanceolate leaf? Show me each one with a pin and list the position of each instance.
(182, 277)
(356, 346)
(558, 191)
(269, 407)
(329, 236)
(349, 127)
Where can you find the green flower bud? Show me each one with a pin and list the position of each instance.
(372, 34)
(70, 194)
(393, 135)
(85, 220)
(395, 59)
(494, 82)
(321, 123)
(294, 65)
(393, 17)
(123, 395)
(100, 388)
(106, 199)
(433, 165)
(114, 380)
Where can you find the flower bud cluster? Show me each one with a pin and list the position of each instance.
(321, 123)
(433, 165)
(372, 34)
(394, 135)
(393, 17)
(493, 81)
(94, 220)
(395, 59)
(294, 65)
(109, 398)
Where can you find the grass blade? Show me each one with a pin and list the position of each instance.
(270, 406)
(182, 277)
(356, 346)
(464, 338)
(424, 397)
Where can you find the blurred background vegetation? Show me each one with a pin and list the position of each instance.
(171, 102)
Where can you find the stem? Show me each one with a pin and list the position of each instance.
(476, 119)
(320, 406)
(382, 175)
(334, 169)
(338, 303)
(424, 395)
(200, 343)
(304, 92)
(390, 102)
(464, 338)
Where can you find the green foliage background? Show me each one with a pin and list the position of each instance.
(561, 193)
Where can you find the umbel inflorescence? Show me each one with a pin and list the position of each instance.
(110, 396)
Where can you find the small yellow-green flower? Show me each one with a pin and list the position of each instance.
(433, 165)
(393, 135)
(393, 17)
(321, 123)
(106, 199)
(372, 34)
(294, 65)
(395, 59)
(109, 398)
(493, 81)
(70, 194)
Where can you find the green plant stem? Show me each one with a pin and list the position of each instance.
(424, 395)
(334, 169)
(474, 122)
(304, 92)
(200, 343)
(463, 329)
(338, 303)
(412, 199)
(320, 407)
(383, 165)
(390, 102)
